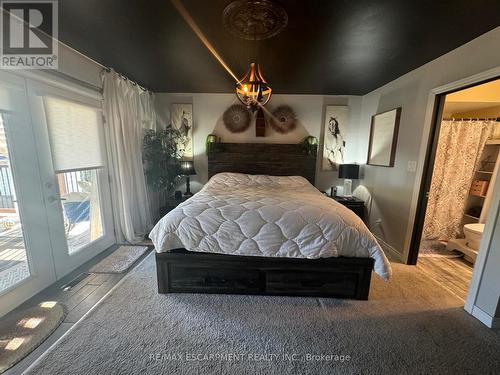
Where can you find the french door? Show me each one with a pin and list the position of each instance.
(55, 209)
(26, 264)
(70, 144)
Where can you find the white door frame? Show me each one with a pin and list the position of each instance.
(26, 176)
(495, 201)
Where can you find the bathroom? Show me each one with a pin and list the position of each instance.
(466, 165)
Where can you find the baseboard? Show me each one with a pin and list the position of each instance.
(393, 253)
(485, 318)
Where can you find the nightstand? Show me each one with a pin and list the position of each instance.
(170, 204)
(354, 204)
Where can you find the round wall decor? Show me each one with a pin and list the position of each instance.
(236, 118)
(283, 119)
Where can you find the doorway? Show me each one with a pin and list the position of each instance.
(55, 211)
(460, 172)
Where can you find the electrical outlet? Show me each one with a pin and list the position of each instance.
(412, 166)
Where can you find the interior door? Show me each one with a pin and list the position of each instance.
(70, 143)
(26, 265)
(425, 185)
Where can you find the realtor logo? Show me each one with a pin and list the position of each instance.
(29, 34)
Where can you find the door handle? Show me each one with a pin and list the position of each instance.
(52, 199)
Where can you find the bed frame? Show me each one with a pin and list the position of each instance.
(182, 271)
(262, 158)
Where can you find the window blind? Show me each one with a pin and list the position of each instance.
(73, 134)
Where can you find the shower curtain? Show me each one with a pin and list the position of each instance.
(459, 148)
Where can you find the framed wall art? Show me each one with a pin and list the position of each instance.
(383, 138)
(334, 136)
(181, 117)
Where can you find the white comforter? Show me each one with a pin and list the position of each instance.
(267, 216)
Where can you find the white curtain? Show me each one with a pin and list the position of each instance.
(128, 110)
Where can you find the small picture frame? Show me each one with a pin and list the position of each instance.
(384, 138)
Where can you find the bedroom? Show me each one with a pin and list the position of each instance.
(146, 102)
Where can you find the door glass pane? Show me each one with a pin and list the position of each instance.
(13, 260)
(79, 192)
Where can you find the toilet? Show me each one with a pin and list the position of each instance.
(473, 234)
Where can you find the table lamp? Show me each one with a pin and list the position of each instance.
(187, 169)
(348, 172)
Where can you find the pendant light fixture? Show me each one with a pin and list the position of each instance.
(253, 90)
(254, 20)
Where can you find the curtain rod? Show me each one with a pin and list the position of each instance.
(472, 119)
(108, 69)
(88, 85)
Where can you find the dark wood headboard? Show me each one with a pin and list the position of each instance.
(262, 158)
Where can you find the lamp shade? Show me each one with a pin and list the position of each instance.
(350, 171)
(187, 168)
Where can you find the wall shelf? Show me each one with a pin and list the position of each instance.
(471, 217)
(487, 170)
(493, 142)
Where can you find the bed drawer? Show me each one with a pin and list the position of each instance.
(193, 279)
(337, 284)
(182, 271)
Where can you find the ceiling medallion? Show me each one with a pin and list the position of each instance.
(255, 19)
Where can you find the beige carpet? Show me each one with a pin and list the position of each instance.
(22, 331)
(120, 260)
(409, 326)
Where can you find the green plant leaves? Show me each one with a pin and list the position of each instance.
(161, 157)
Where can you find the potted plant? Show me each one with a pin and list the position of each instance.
(161, 155)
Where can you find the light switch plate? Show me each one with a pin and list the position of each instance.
(412, 166)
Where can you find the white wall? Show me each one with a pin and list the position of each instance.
(393, 188)
(488, 297)
(207, 119)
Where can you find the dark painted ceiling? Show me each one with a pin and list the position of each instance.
(328, 47)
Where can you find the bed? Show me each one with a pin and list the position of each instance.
(260, 227)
